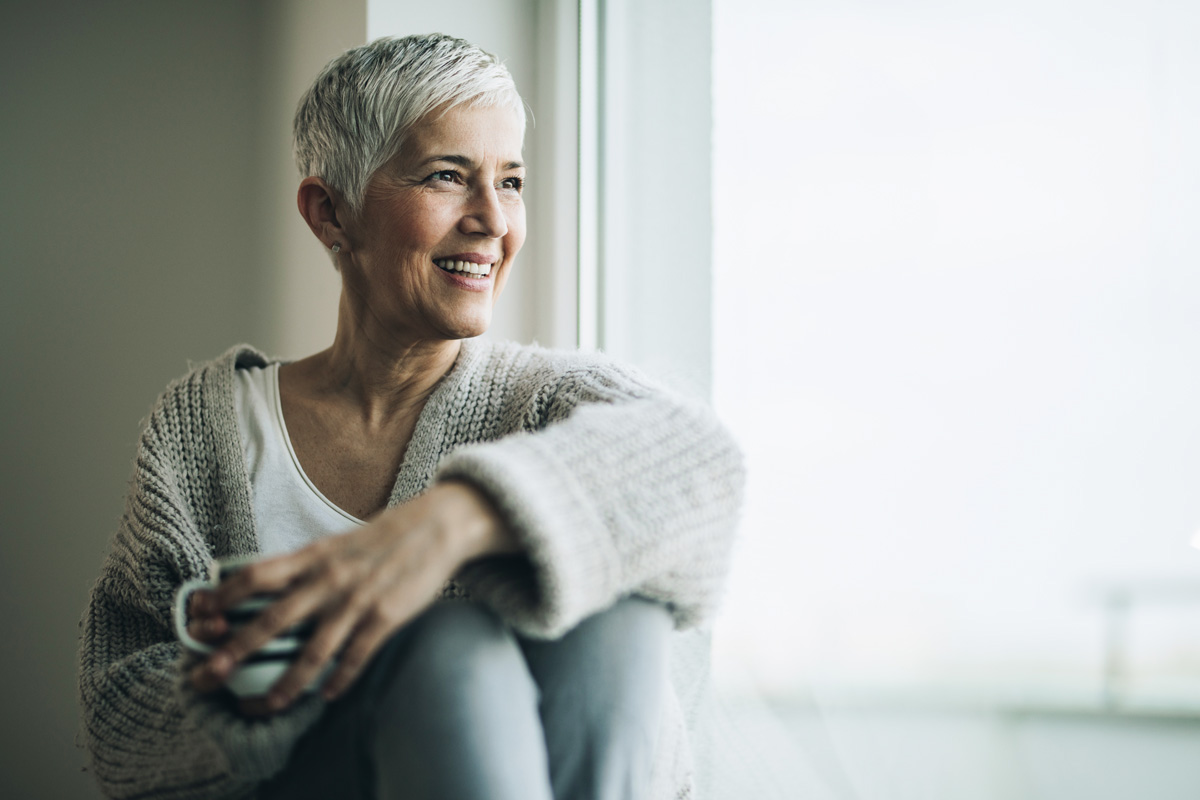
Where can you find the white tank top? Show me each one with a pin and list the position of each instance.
(289, 511)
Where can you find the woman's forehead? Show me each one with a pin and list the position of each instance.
(488, 134)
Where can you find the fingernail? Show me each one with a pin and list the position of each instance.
(220, 664)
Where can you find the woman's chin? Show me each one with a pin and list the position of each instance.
(466, 328)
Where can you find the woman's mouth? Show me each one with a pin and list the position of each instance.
(465, 268)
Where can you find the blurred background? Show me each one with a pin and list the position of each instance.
(934, 263)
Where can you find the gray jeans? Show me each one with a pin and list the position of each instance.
(457, 706)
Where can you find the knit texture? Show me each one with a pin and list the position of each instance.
(613, 487)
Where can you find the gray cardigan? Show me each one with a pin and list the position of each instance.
(613, 487)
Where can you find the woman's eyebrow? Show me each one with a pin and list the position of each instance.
(463, 161)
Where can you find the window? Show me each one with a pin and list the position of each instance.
(955, 307)
(952, 316)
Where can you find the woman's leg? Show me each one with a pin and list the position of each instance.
(603, 690)
(460, 717)
(447, 709)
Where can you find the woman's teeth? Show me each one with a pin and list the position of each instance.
(465, 267)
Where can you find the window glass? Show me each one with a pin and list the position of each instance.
(957, 327)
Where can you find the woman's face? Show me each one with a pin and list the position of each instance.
(441, 225)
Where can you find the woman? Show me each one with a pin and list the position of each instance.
(562, 512)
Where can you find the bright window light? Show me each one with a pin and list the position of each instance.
(957, 328)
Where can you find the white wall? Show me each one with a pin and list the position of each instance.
(130, 151)
(301, 38)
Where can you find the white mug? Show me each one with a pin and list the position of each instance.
(256, 674)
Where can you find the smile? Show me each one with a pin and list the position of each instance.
(464, 267)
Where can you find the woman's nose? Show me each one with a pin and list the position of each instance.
(485, 215)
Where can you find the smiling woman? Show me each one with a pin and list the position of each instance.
(475, 551)
(443, 217)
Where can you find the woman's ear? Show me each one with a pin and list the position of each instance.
(318, 204)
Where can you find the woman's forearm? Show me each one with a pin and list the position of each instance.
(472, 522)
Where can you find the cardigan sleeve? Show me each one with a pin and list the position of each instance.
(625, 489)
(148, 734)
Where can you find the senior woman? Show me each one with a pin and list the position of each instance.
(491, 542)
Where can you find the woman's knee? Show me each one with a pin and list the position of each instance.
(458, 716)
(632, 621)
(604, 688)
(632, 635)
(457, 649)
(613, 665)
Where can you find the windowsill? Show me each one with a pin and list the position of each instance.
(1162, 702)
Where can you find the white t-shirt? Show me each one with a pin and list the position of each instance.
(289, 511)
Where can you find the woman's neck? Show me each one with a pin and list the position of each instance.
(384, 377)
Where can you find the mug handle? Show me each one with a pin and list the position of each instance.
(181, 598)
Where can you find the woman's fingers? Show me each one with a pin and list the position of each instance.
(268, 624)
(348, 639)
(409, 599)
(269, 576)
(314, 581)
(313, 659)
(254, 706)
(205, 623)
(201, 603)
(358, 587)
(356, 656)
(209, 630)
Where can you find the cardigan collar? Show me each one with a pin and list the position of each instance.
(416, 471)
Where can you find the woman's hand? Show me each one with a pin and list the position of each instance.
(205, 622)
(358, 587)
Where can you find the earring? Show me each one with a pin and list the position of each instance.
(337, 247)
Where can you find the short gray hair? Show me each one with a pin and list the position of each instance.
(355, 116)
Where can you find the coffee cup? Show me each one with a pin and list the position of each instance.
(256, 674)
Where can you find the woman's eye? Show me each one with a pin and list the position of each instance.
(515, 183)
(445, 175)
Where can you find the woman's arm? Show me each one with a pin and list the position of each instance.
(361, 586)
(148, 734)
(626, 490)
(619, 489)
(138, 735)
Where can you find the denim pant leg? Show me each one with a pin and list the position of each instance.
(450, 709)
(603, 692)
(459, 718)
(447, 709)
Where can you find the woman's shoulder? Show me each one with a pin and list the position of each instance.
(240, 356)
(556, 382)
(533, 362)
(203, 392)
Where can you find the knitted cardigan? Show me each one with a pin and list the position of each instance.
(612, 486)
